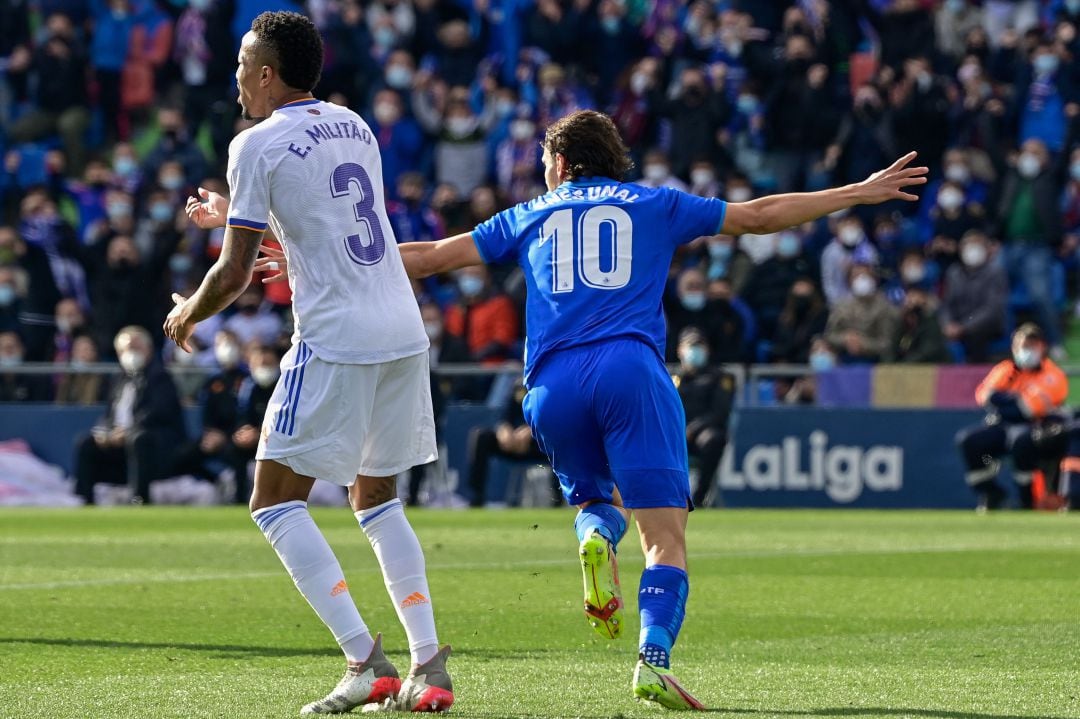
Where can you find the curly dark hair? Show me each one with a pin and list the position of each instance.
(591, 144)
(292, 44)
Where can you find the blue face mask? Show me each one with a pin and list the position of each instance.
(161, 212)
(720, 250)
(610, 25)
(470, 286)
(822, 361)
(788, 245)
(180, 263)
(7, 295)
(1046, 64)
(695, 356)
(693, 301)
(124, 166)
(1074, 171)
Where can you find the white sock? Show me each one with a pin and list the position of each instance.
(402, 561)
(315, 570)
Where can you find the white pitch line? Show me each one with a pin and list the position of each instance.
(521, 564)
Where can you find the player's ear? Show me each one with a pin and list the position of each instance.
(266, 75)
(561, 166)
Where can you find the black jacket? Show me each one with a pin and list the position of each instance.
(707, 396)
(157, 404)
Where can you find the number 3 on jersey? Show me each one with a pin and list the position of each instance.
(361, 250)
(578, 253)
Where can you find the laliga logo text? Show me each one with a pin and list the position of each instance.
(841, 471)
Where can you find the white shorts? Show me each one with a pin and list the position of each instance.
(334, 421)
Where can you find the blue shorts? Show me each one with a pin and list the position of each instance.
(608, 415)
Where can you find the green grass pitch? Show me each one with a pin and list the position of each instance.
(171, 612)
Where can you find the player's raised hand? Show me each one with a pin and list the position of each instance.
(889, 184)
(208, 210)
(272, 260)
(178, 329)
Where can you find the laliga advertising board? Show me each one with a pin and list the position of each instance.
(873, 458)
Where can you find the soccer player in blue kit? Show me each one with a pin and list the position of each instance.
(596, 253)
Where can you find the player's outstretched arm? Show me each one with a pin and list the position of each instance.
(776, 212)
(423, 259)
(208, 210)
(223, 283)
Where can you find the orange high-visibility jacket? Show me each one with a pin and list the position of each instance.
(1039, 391)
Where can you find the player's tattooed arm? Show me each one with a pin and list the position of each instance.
(776, 212)
(423, 259)
(222, 284)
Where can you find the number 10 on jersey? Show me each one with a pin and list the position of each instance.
(576, 252)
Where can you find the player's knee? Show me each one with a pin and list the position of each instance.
(368, 492)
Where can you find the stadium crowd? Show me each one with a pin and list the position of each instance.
(115, 111)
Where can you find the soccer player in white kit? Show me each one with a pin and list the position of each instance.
(353, 404)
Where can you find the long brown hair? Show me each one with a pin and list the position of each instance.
(591, 144)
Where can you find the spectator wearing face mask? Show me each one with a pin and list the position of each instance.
(918, 337)
(862, 326)
(1043, 92)
(58, 98)
(865, 139)
(717, 319)
(461, 150)
(656, 172)
(411, 218)
(954, 214)
(1029, 224)
(708, 395)
(253, 321)
(1020, 395)
(695, 112)
(850, 246)
(517, 158)
(401, 142)
(70, 323)
(725, 260)
(134, 443)
(703, 181)
(157, 226)
(483, 317)
(915, 273)
(921, 108)
(974, 295)
(77, 386)
(16, 387)
(11, 281)
(214, 452)
(802, 319)
(767, 290)
(176, 144)
(953, 22)
(127, 290)
(956, 169)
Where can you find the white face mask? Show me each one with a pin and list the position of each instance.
(433, 330)
(132, 361)
(958, 174)
(227, 355)
(863, 286)
(739, 194)
(1028, 165)
(973, 255)
(459, 127)
(522, 130)
(913, 273)
(265, 376)
(655, 172)
(639, 83)
(1027, 358)
(386, 113)
(702, 176)
(850, 235)
(950, 199)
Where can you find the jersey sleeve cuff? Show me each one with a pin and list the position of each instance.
(723, 216)
(243, 224)
(480, 246)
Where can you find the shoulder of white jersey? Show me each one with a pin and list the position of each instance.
(255, 140)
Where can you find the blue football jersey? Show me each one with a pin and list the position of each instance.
(596, 254)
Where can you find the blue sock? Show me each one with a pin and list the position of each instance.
(603, 518)
(662, 601)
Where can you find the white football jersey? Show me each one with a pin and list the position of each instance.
(313, 173)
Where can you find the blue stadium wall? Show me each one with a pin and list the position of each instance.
(780, 457)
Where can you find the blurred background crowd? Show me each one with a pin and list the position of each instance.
(112, 112)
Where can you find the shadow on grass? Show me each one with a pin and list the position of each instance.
(223, 651)
(239, 651)
(876, 712)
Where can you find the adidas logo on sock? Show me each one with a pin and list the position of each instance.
(413, 599)
(339, 588)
